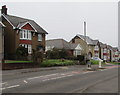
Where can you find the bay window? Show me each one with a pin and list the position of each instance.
(25, 35)
(28, 47)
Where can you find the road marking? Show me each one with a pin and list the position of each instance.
(9, 87)
(45, 79)
(3, 83)
(25, 81)
(42, 76)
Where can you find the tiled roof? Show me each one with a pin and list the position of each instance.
(88, 40)
(103, 45)
(18, 21)
(60, 44)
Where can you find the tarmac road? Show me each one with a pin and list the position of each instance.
(68, 79)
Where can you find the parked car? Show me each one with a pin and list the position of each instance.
(96, 58)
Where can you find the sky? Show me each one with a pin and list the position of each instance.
(65, 19)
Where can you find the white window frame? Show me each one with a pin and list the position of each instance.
(29, 49)
(25, 34)
(39, 37)
(29, 35)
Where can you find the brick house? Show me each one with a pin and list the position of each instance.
(90, 47)
(21, 31)
(2, 26)
(72, 49)
(115, 54)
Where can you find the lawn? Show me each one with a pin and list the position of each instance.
(96, 62)
(16, 61)
(115, 63)
(56, 62)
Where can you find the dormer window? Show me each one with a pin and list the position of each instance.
(39, 37)
(25, 35)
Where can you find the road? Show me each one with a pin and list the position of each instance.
(71, 79)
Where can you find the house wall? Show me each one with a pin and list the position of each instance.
(1, 44)
(86, 48)
(84, 45)
(9, 40)
(35, 41)
(91, 49)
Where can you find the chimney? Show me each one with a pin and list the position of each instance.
(4, 10)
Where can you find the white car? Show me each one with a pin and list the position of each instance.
(97, 58)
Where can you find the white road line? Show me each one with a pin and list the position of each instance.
(25, 81)
(42, 76)
(3, 83)
(57, 77)
(9, 87)
(85, 72)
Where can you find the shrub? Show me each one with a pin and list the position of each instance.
(80, 58)
(21, 53)
(62, 53)
(56, 54)
(37, 56)
(71, 58)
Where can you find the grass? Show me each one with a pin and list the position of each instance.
(116, 63)
(17, 61)
(56, 62)
(96, 62)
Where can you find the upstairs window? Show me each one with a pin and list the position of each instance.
(39, 37)
(25, 35)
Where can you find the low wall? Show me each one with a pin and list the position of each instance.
(11, 66)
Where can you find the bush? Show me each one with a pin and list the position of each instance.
(21, 53)
(37, 56)
(52, 54)
(83, 63)
(80, 58)
(71, 58)
(56, 54)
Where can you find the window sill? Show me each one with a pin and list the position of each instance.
(25, 39)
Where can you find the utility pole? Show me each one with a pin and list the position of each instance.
(85, 40)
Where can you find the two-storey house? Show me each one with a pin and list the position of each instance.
(90, 46)
(21, 32)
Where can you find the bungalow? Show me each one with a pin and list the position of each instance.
(21, 32)
(73, 49)
(90, 47)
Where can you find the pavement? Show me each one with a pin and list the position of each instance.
(28, 70)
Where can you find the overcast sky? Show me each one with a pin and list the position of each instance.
(65, 19)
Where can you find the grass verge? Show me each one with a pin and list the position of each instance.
(56, 62)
